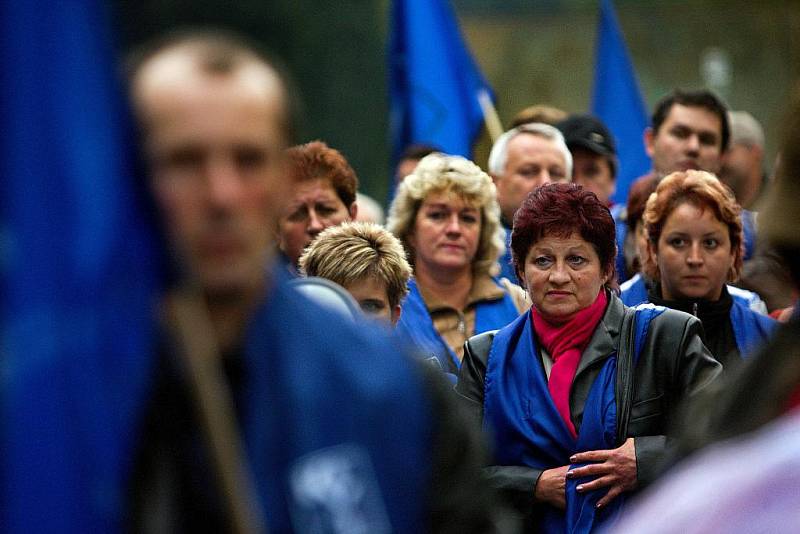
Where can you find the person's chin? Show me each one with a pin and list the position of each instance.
(558, 314)
(694, 293)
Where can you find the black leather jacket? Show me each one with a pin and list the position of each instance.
(673, 365)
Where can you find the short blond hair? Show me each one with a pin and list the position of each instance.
(353, 251)
(441, 173)
(703, 190)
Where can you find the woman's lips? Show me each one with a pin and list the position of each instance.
(558, 294)
(694, 277)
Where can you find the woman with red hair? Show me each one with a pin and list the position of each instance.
(695, 245)
(555, 391)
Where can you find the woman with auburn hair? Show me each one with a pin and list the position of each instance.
(324, 195)
(694, 235)
(447, 217)
(571, 435)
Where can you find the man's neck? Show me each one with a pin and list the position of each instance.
(229, 314)
(450, 287)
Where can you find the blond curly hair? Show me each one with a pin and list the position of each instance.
(441, 173)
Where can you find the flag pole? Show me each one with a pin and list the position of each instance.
(490, 116)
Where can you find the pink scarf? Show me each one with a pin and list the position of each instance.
(565, 343)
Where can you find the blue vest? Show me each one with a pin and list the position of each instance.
(506, 260)
(750, 328)
(633, 291)
(621, 230)
(322, 400)
(416, 325)
(527, 430)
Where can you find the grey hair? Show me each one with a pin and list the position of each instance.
(437, 173)
(499, 154)
(745, 129)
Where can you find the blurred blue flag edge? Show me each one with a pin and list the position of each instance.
(80, 272)
(434, 82)
(617, 100)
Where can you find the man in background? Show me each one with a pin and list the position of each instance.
(743, 163)
(522, 159)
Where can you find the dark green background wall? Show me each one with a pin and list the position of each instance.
(531, 52)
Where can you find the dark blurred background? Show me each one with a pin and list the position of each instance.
(530, 52)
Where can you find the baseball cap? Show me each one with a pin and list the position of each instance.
(588, 132)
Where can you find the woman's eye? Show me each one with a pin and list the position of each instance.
(469, 218)
(326, 210)
(576, 260)
(298, 215)
(437, 215)
(711, 243)
(677, 242)
(542, 261)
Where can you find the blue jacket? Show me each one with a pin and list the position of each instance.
(751, 328)
(416, 325)
(320, 398)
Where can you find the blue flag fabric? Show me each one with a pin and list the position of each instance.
(78, 272)
(617, 100)
(434, 81)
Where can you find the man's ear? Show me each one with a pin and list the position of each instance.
(353, 209)
(649, 141)
(398, 310)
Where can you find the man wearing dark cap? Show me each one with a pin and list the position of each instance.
(594, 154)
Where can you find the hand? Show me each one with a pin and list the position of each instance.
(550, 487)
(613, 468)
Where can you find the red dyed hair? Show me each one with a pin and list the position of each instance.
(560, 210)
(316, 160)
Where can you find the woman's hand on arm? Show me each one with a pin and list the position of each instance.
(612, 468)
(550, 488)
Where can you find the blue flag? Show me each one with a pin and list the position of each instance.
(434, 82)
(617, 100)
(78, 268)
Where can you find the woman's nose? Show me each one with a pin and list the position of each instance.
(695, 255)
(315, 225)
(453, 224)
(559, 274)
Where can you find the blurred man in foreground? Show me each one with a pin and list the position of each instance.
(339, 431)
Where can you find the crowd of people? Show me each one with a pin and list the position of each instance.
(529, 356)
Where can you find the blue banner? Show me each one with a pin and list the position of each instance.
(617, 100)
(434, 81)
(79, 272)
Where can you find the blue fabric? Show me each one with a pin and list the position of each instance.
(416, 325)
(506, 263)
(618, 102)
(527, 430)
(620, 231)
(634, 291)
(310, 387)
(751, 329)
(79, 269)
(434, 82)
(749, 230)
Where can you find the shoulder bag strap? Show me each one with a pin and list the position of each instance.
(624, 379)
